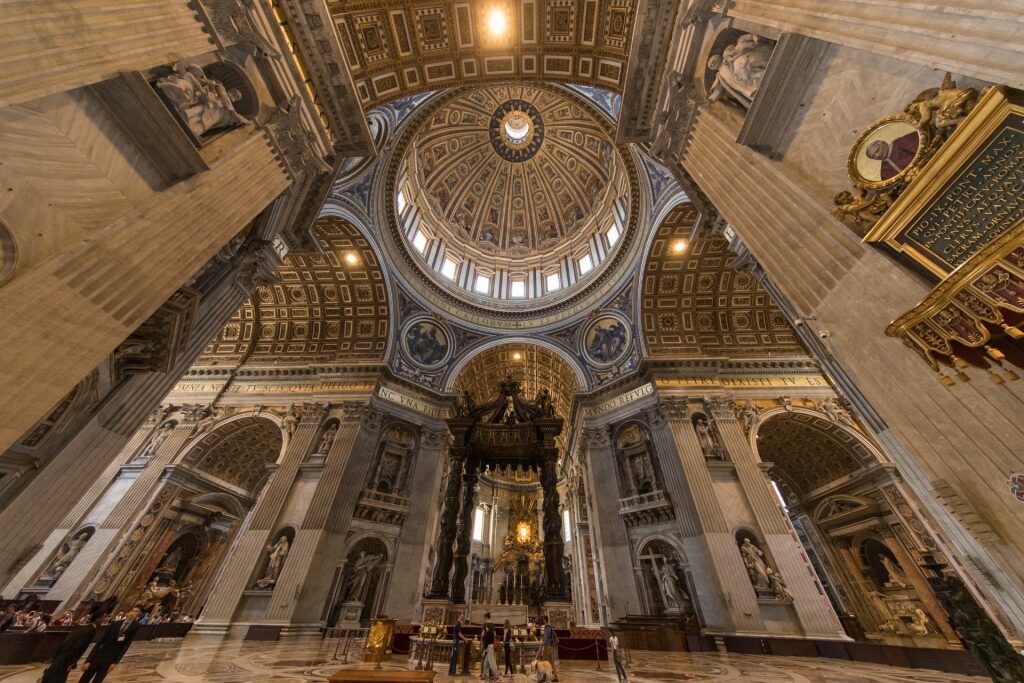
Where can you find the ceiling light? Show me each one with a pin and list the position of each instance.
(496, 22)
(679, 246)
(351, 258)
(517, 356)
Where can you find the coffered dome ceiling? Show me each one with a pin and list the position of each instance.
(513, 171)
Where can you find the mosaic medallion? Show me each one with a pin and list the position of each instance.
(426, 343)
(516, 130)
(606, 340)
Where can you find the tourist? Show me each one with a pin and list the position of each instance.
(613, 645)
(489, 667)
(550, 647)
(506, 640)
(111, 647)
(39, 624)
(71, 650)
(457, 640)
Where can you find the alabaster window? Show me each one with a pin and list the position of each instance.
(553, 282)
(482, 284)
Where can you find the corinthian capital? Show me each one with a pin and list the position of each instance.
(720, 407)
(597, 438)
(674, 407)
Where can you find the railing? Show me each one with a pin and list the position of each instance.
(643, 501)
(388, 499)
(346, 638)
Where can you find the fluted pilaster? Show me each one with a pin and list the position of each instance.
(252, 540)
(56, 46)
(413, 542)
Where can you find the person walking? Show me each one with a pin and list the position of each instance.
(613, 645)
(506, 639)
(457, 640)
(70, 651)
(550, 647)
(489, 668)
(111, 647)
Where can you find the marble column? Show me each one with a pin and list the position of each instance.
(463, 538)
(817, 618)
(411, 558)
(56, 46)
(305, 581)
(737, 609)
(71, 483)
(98, 291)
(441, 581)
(251, 542)
(609, 532)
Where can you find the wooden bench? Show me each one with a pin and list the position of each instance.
(367, 675)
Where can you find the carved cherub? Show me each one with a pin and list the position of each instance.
(861, 210)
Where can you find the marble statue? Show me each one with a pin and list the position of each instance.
(739, 69)
(675, 596)
(360, 574)
(65, 556)
(466, 405)
(290, 420)
(159, 438)
(277, 554)
(778, 585)
(918, 622)
(749, 415)
(327, 440)
(169, 566)
(205, 424)
(753, 560)
(897, 579)
(202, 102)
(545, 403)
(706, 438)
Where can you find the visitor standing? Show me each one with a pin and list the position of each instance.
(506, 640)
(613, 645)
(457, 640)
(489, 669)
(111, 647)
(70, 651)
(550, 647)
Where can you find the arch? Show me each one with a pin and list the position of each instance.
(245, 444)
(684, 560)
(465, 357)
(226, 502)
(826, 451)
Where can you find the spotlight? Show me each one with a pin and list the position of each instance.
(517, 356)
(351, 258)
(496, 22)
(679, 246)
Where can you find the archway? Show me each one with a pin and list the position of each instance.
(840, 494)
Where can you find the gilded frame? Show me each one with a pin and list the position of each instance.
(990, 112)
(851, 160)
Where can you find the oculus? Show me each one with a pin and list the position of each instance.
(516, 130)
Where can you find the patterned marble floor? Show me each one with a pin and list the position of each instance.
(206, 660)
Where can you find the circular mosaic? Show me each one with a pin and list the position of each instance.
(426, 343)
(606, 340)
(516, 130)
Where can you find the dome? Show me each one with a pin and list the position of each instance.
(512, 192)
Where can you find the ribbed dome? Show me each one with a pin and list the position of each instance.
(513, 171)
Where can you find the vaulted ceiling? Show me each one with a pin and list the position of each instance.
(395, 49)
(238, 452)
(325, 307)
(695, 304)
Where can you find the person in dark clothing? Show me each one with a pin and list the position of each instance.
(488, 667)
(71, 650)
(9, 617)
(506, 640)
(457, 640)
(110, 647)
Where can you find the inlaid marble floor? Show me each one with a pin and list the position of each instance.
(207, 660)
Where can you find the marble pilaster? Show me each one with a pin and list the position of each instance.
(414, 542)
(817, 618)
(252, 540)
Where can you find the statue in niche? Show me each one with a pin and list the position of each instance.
(168, 569)
(66, 554)
(290, 420)
(355, 586)
(275, 562)
(327, 440)
(739, 69)
(675, 596)
(897, 579)
(753, 560)
(778, 585)
(643, 476)
(708, 444)
(158, 439)
(202, 102)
